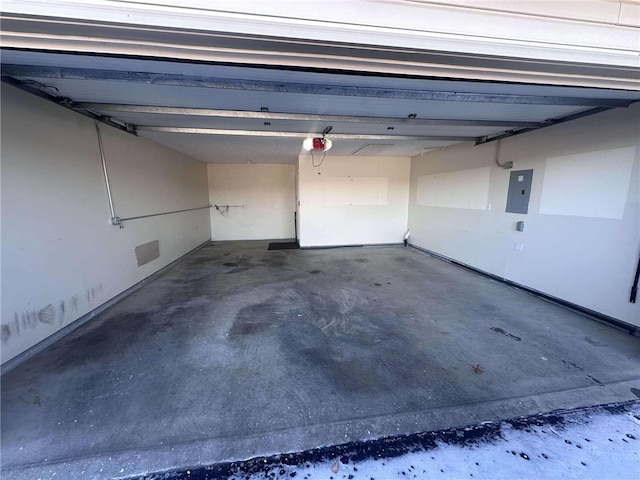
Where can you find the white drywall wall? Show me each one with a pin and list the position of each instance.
(460, 189)
(61, 257)
(594, 184)
(267, 193)
(353, 200)
(582, 233)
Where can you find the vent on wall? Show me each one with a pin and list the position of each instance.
(371, 148)
(147, 252)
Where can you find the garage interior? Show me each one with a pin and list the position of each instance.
(152, 154)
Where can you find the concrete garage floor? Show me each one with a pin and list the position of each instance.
(238, 352)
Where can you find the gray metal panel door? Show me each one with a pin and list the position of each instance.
(519, 191)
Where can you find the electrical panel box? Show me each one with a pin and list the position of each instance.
(519, 191)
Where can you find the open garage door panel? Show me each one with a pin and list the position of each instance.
(222, 113)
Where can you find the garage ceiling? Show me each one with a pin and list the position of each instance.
(222, 113)
(221, 96)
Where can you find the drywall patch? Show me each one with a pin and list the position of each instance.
(593, 184)
(147, 252)
(341, 191)
(467, 189)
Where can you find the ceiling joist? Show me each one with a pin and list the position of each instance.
(67, 73)
(264, 133)
(265, 115)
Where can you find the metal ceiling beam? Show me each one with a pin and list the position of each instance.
(302, 88)
(305, 117)
(264, 133)
(36, 89)
(547, 123)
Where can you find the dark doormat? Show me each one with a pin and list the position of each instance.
(283, 246)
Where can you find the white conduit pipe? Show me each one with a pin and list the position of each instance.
(115, 220)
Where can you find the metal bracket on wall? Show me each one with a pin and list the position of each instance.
(547, 123)
(224, 209)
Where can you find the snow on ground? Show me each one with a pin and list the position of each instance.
(594, 445)
(601, 442)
